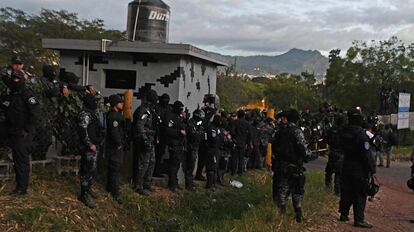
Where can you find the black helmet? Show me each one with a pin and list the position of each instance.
(355, 117)
(241, 114)
(16, 60)
(90, 102)
(293, 115)
(115, 99)
(164, 99)
(178, 107)
(199, 114)
(49, 72)
(152, 96)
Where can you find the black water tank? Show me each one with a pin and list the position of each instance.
(152, 24)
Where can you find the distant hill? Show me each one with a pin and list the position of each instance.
(294, 61)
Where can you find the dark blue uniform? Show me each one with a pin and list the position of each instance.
(22, 115)
(176, 144)
(358, 166)
(115, 141)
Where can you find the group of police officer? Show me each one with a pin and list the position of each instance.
(350, 159)
(167, 139)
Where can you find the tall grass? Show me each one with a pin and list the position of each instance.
(52, 206)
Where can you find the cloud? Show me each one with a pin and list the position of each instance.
(258, 27)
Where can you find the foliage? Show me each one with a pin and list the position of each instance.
(22, 33)
(356, 79)
(285, 91)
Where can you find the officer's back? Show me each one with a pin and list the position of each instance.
(240, 130)
(355, 144)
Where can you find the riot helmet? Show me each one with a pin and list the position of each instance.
(178, 107)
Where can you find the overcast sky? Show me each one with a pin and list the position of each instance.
(246, 27)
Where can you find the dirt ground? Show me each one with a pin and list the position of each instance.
(392, 209)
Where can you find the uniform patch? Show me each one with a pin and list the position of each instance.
(115, 124)
(32, 100)
(171, 123)
(85, 121)
(213, 133)
(144, 116)
(366, 146)
(6, 103)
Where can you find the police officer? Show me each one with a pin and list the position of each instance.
(215, 138)
(145, 130)
(196, 133)
(255, 155)
(90, 133)
(16, 65)
(3, 121)
(50, 85)
(209, 112)
(290, 151)
(358, 166)
(176, 134)
(336, 155)
(241, 135)
(22, 114)
(163, 110)
(115, 141)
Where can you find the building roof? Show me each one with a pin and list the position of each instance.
(133, 47)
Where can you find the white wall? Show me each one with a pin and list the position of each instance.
(166, 65)
(190, 83)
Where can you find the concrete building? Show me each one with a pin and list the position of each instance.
(184, 72)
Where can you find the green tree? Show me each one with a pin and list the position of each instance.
(357, 78)
(22, 33)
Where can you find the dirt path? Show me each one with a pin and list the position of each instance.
(391, 210)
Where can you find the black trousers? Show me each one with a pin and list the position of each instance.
(212, 166)
(21, 159)
(353, 193)
(176, 158)
(115, 161)
(160, 149)
(189, 165)
(237, 160)
(334, 166)
(256, 158)
(87, 170)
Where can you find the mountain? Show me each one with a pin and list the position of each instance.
(294, 61)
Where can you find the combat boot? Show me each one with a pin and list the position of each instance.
(93, 194)
(363, 225)
(299, 216)
(87, 201)
(142, 192)
(282, 209)
(210, 182)
(343, 218)
(17, 193)
(117, 199)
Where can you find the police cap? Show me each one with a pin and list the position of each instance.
(115, 99)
